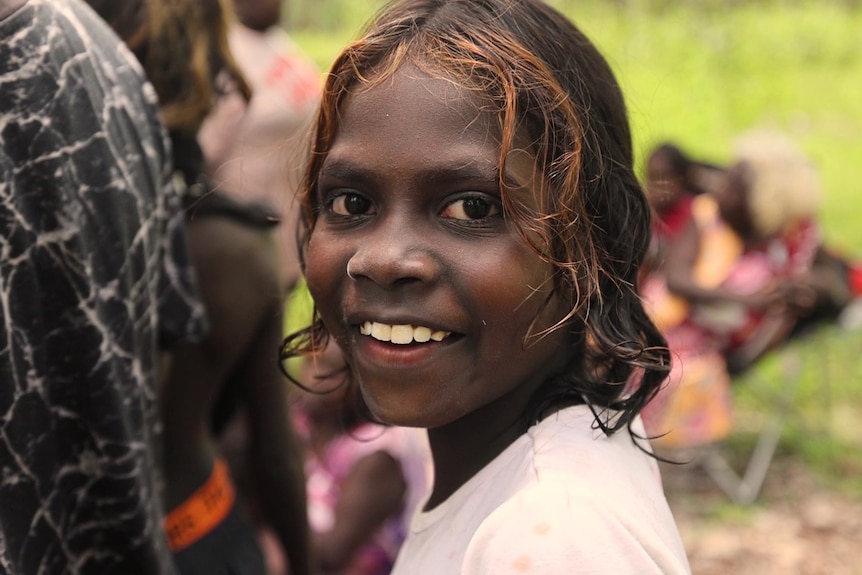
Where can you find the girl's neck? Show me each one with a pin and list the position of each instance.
(459, 455)
(464, 447)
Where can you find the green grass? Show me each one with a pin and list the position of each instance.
(822, 426)
(701, 77)
(702, 72)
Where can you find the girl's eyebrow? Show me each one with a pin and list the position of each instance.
(345, 170)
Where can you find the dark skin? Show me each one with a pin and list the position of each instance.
(410, 204)
(374, 489)
(239, 282)
(259, 15)
(664, 187)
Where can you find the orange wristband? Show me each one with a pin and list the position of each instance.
(203, 511)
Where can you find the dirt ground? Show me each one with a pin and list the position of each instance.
(796, 527)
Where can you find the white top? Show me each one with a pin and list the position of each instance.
(562, 499)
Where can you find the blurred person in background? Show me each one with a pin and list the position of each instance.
(670, 190)
(748, 269)
(183, 47)
(673, 181)
(747, 263)
(95, 282)
(256, 149)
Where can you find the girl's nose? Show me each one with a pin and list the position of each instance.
(393, 256)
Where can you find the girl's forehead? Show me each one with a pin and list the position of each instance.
(415, 87)
(412, 110)
(423, 124)
(461, 110)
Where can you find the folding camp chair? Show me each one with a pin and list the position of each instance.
(744, 487)
(705, 446)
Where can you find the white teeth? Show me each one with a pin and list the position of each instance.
(401, 334)
(381, 331)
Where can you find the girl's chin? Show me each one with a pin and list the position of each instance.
(397, 413)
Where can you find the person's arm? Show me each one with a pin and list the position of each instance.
(679, 268)
(680, 259)
(275, 456)
(373, 491)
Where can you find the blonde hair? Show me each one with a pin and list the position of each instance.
(783, 184)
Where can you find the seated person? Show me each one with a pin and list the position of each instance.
(668, 189)
(673, 180)
(743, 273)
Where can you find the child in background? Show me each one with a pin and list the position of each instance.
(669, 190)
(673, 181)
(473, 235)
(364, 480)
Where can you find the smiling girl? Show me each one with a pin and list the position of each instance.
(473, 233)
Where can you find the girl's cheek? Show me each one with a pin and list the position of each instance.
(325, 268)
(320, 254)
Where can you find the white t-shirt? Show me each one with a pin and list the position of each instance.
(562, 499)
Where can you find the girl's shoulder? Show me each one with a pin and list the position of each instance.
(570, 446)
(558, 526)
(587, 493)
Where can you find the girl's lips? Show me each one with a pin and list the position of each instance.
(393, 355)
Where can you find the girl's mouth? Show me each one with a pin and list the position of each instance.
(401, 334)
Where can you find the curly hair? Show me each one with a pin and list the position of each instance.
(543, 78)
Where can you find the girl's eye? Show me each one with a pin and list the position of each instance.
(472, 208)
(350, 204)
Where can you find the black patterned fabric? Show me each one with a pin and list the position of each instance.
(94, 282)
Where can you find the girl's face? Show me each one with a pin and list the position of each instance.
(425, 286)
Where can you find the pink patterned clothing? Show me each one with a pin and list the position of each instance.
(722, 261)
(325, 476)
